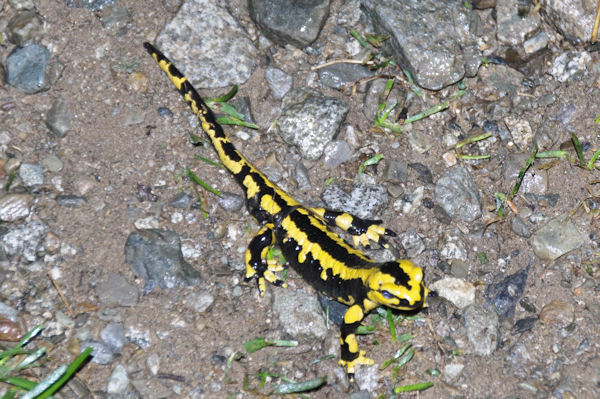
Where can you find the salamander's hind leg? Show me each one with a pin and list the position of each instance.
(257, 265)
(362, 230)
(351, 356)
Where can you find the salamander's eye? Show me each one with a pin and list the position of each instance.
(387, 295)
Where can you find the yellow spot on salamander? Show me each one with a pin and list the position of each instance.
(353, 314)
(344, 221)
(251, 187)
(268, 204)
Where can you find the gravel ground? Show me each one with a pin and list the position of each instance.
(106, 242)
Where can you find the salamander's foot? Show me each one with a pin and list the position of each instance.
(351, 364)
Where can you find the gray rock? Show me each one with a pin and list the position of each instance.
(279, 82)
(513, 27)
(482, 329)
(20, 4)
(71, 201)
(94, 5)
(215, 53)
(459, 292)
(395, 171)
(152, 388)
(8, 312)
(299, 314)
(436, 53)
(14, 207)
(181, 201)
(364, 201)
(59, 117)
(301, 175)
(24, 240)
(290, 22)
(26, 68)
(24, 27)
(199, 302)
(571, 18)
(570, 65)
(116, 19)
(557, 313)
(101, 353)
(502, 297)
(336, 153)
(349, 13)
(156, 257)
(52, 163)
(457, 194)
(412, 243)
(311, 122)
(118, 381)
(519, 227)
(231, 202)
(423, 171)
(556, 238)
(113, 335)
(536, 43)
(338, 76)
(116, 290)
(243, 105)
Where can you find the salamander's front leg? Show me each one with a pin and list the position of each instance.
(362, 230)
(351, 356)
(257, 265)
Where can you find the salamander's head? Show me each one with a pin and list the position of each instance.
(397, 284)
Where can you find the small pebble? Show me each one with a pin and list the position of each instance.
(558, 313)
(14, 207)
(459, 292)
(24, 27)
(9, 330)
(59, 117)
(153, 363)
(51, 243)
(26, 68)
(32, 175)
(70, 201)
(52, 163)
(113, 335)
(118, 381)
(230, 202)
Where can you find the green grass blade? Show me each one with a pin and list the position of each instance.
(228, 120)
(295, 387)
(258, 343)
(552, 154)
(361, 40)
(69, 372)
(428, 112)
(421, 386)
(31, 358)
(590, 164)
(198, 181)
(211, 162)
(10, 394)
(472, 140)
(20, 382)
(369, 162)
(43, 386)
(226, 97)
(578, 149)
(391, 324)
(523, 171)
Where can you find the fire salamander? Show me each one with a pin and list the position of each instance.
(304, 235)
